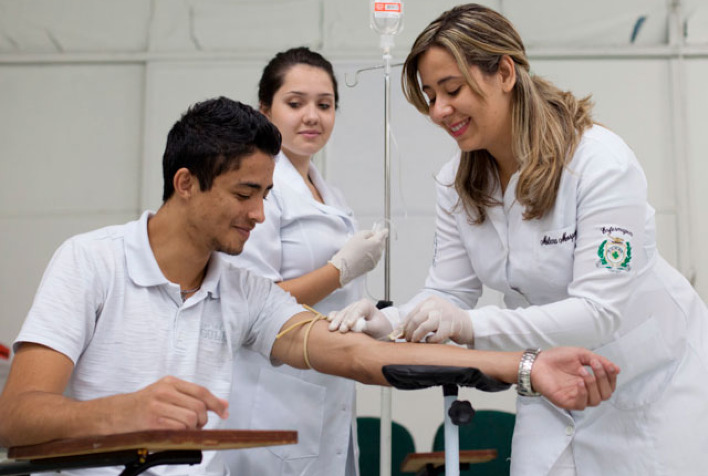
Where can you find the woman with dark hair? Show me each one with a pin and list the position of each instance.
(310, 246)
(550, 209)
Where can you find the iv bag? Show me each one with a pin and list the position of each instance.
(386, 17)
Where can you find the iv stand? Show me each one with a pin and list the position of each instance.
(386, 394)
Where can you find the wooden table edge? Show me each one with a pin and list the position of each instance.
(155, 440)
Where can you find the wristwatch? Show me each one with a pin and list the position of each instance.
(523, 385)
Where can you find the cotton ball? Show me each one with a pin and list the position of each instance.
(359, 325)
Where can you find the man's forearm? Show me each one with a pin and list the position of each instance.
(357, 356)
(35, 417)
(559, 374)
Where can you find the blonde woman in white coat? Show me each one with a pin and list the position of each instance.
(551, 210)
(310, 246)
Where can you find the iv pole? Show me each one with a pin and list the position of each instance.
(386, 394)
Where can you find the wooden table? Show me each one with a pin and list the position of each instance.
(136, 451)
(433, 463)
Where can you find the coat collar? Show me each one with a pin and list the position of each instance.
(142, 266)
(286, 175)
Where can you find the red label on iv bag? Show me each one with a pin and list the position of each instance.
(387, 7)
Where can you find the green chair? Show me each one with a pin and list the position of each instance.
(489, 429)
(369, 438)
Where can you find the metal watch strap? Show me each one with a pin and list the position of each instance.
(523, 385)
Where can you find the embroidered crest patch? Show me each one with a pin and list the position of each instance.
(615, 254)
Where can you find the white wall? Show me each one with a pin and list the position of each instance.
(89, 89)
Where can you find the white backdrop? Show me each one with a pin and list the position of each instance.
(89, 89)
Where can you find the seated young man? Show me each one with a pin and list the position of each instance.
(134, 326)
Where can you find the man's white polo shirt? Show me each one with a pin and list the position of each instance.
(105, 304)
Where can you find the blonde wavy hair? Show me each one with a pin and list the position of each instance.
(547, 123)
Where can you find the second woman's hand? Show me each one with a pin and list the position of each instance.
(360, 254)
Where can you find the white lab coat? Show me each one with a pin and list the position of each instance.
(299, 235)
(587, 274)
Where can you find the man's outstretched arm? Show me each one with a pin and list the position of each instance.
(33, 408)
(559, 374)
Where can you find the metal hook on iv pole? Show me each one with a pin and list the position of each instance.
(352, 84)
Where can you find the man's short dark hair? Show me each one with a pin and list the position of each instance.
(212, 137)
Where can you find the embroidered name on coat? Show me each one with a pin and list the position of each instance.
(547, 240)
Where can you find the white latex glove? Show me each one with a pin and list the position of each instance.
(361, 316)
(360, 254)
(441, 319)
